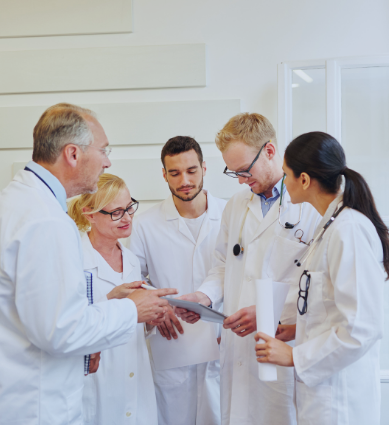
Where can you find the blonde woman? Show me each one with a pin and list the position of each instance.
(122, 390)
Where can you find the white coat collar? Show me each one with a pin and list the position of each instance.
(93, 260)
(328, 214)
(171, 213)
(264, 223)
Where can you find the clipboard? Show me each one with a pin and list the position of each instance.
(206, 314)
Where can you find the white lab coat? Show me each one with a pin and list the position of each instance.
(46, 325)
(269, 252)
(122, 390)
(171, 257)
(336, 355)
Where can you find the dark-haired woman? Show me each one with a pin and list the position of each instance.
(340, 304)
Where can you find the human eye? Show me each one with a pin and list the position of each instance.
(117, 213)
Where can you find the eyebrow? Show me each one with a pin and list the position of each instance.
(190, 168)
(119, 208)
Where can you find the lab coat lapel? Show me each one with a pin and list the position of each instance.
(128, 265)
(171, 213)
(92, 260)
(211, 215)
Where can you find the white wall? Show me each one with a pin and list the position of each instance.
(245, 40)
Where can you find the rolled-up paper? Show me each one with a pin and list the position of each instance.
(271, 298)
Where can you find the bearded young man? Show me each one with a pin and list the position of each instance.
(174, 242)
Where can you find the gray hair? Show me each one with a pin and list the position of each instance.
(59, 126)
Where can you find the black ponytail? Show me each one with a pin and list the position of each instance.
(322, 158)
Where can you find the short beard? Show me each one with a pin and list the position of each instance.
(200, 188)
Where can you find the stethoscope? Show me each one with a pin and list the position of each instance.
(312, 244)
(238, 248)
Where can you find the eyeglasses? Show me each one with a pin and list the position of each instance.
(105, 151)
(245, 173)
(119, 213)
(302, 301)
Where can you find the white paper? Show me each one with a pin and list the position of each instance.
(271, 297)
(196, 345)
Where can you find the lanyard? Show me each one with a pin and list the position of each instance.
(312, 247)
(40, 178)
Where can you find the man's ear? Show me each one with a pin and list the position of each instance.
(204, 168)
(71, 154)
(270, 150)
(164, 174)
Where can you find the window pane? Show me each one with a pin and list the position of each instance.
(308, 101)
(365, 138)
(365, 128)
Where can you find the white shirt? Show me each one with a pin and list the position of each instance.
(46, 325)
(122, 390)
(194, 225)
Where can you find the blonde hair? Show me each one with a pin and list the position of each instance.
(58, 126)
(252, 129)
(108, 188)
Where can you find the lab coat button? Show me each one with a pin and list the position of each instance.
(131, 374)
(128, 414)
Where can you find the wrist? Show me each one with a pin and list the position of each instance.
(203, 299)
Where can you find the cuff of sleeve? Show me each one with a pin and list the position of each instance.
(213, 290)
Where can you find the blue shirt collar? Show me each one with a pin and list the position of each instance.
(52, 181)
(275, 191)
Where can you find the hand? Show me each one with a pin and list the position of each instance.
(273, 351)
(243, 322)
(166, 328)
(94, 362)
(286, 332)
(122, 291)
(191, 316)
(150, 306)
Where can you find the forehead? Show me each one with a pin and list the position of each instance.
(100, 138)
(122, 199)
(239, 155)
(182, 160)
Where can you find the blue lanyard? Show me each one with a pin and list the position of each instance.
(40, 178)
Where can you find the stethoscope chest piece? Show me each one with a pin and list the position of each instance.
(237, 249)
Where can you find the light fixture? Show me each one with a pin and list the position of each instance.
(295, 85)
(303, 75)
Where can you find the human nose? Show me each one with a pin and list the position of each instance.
(106, 162)
(242, 180)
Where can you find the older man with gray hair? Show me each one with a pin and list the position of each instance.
(46, 325)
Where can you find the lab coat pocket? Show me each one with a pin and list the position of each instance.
(282, 268)
(316, 312)
(281, 260)
(313, 404)
(74, 406)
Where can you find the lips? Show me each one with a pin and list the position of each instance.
(186, 189)
(127, 226)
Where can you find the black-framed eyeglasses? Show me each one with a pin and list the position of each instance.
(302, 301)
(245, 173)
(119, 213)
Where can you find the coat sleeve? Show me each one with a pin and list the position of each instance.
(213, 285)
(357, 278)
(136, 246)
(50, 294)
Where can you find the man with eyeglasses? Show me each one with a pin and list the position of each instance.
(256, 241)
(174, 241)
(46, 325)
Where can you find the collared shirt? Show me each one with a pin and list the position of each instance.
(267, 203)
(51, 181)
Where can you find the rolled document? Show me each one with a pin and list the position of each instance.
(271, 297)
